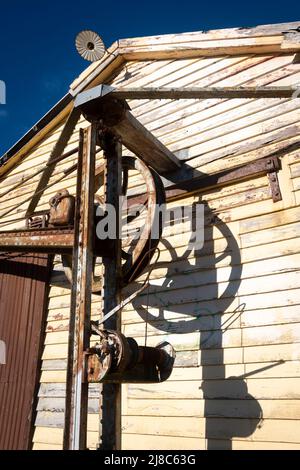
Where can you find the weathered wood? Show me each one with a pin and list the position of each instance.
(143, 144)
(133, 134)
(57, 405)
(144, 442)
(208, 48)
(205, 93)
(276, 409)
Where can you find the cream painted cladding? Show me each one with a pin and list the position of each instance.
(231, 309)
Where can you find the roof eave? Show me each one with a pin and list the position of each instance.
(283, 37)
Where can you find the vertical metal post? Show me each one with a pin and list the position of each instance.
(75, 430)
(110, 431)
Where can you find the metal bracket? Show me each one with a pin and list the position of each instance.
(274, 185)
(273, 165)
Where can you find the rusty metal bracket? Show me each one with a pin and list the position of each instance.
(274, 185)
(75, 431)
(273, 165)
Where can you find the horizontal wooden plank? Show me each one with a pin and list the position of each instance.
(276, 315)
(146, 442)
(270, 235)
(270, 352)
(277, 388)
(245, 444)
(46, 435)
(143, 442)
(265, 221)
(57, 376)
(179, 426)
(54, 364)
(43, 446)
(239, 445)
(257, 31)
(52, 419)
(57, 405)
(163, 93)
(216, 428)
(270, 409)
(58, 390)
(272, 334)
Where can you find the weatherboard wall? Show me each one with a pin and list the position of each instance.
(231, 309)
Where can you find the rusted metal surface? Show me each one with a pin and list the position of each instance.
(186, 187)
(113, 353)
(39, 241)
(23, 296)
(110, 403)
(62, 207)
(146, 243)
(117, 359)
(153, 200)
(253, 169)
(75, 431)
(274, 185)
(38, 220)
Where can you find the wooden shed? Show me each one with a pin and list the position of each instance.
(230, 308)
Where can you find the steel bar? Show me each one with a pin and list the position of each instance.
(206, 93)
(75, 431)
(186, 187)
(37, 241)
(110, 419)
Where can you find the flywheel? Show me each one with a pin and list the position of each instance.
(138, 246)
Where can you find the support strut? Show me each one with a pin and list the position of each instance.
(110, 402)
(75, 430)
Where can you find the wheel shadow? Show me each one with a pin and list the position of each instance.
(194, 297)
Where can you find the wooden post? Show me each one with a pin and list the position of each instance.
(110, 405)
(75, 430)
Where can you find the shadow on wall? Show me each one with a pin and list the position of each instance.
(191, 289)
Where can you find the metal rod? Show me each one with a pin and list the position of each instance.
(75, 431)
(206, 93)
(110, 421)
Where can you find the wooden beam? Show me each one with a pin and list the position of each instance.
(206, 93)
(145, 145)
(99, 103)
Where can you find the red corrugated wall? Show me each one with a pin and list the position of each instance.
(23, 293)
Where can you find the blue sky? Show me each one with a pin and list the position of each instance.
(38, 56)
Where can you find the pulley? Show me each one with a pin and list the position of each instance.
(119, 359)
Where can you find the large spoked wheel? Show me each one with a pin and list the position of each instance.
(143, 227)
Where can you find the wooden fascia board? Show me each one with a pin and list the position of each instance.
(183, 50)
(233, 41)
